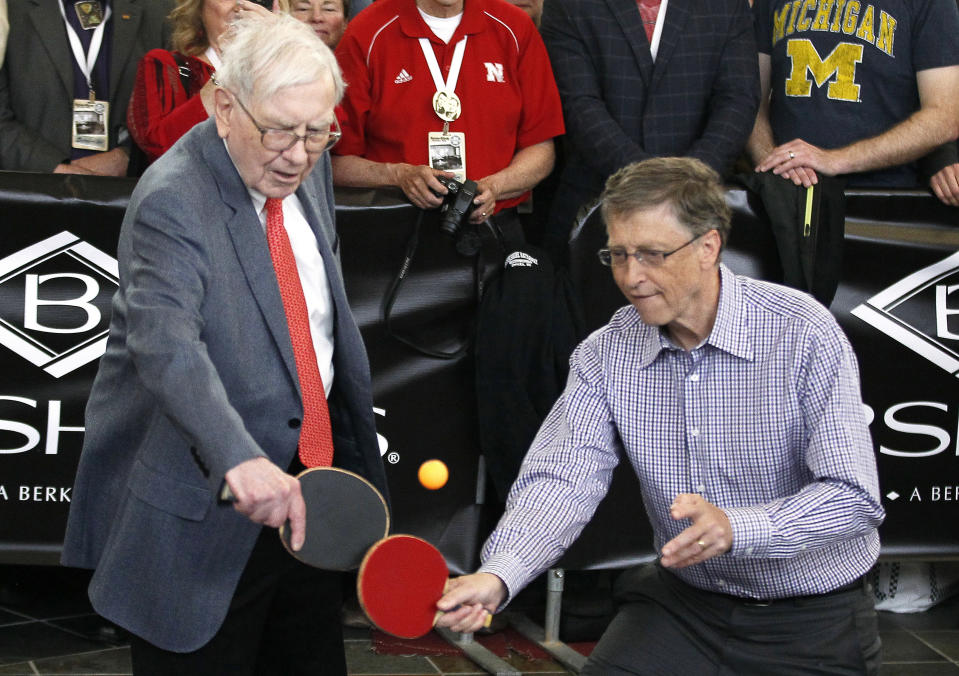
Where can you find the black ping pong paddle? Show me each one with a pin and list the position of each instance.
(345, 516)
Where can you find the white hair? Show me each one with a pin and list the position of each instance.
(263, 54)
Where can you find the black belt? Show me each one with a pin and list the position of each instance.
(855, 585)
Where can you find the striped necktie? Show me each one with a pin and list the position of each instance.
(648, 11)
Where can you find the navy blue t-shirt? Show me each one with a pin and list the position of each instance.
(844, 70)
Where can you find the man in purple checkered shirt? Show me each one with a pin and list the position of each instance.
(737, 403)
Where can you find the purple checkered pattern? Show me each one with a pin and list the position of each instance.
(764, 419)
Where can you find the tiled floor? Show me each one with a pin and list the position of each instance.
(47, 627)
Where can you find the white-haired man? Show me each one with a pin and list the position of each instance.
(210, 348)
(737, 404)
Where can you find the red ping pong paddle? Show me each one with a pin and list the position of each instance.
(400, 580)
(345, 515)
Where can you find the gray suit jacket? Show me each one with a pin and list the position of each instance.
(198, 377)
(36, 81)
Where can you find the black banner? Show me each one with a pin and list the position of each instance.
(57, 278)
(898, 302)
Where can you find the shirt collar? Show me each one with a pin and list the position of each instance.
(291, 205)
(652, 342)
(730, 331)
(258, 199)
(413, 25)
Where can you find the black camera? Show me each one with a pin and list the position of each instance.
(457, 204)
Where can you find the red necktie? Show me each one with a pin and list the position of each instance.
(316, 438)
(648, 11)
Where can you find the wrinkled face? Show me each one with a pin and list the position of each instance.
(216, 17)
(300, 109)
(679, 293)
(532, 7)
(441, 8)
(325, 17)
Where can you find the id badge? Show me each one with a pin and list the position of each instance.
(448, 152)
(90, 124)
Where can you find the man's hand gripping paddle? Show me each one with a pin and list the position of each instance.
(400, 580)
(345, 515)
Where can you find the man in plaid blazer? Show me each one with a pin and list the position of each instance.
(688, 87)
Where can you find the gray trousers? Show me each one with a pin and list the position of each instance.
(664, 626)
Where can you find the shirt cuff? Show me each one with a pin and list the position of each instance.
(510, 570)
(752, 531)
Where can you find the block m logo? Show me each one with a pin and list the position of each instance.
(841, 63)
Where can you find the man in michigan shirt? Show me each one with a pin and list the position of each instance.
(855, 88)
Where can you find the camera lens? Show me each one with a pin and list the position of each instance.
(450, 223)
(457, 204)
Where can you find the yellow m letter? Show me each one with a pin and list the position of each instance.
(841, 63)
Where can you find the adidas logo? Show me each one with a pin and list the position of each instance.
(520, 259)
(403, 77)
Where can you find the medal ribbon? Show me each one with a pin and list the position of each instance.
(450, 84)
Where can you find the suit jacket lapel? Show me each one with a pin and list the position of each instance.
(48, 24)
(126, 18)
(627, 14)
(249, 241)
(677, 14)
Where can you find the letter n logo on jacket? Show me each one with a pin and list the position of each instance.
(494, 72)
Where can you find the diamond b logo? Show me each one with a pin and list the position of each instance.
(901, 312)
(55, 302)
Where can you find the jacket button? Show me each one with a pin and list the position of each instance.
(293, 423)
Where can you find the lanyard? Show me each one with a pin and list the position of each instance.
(450, 84)
(86, 64)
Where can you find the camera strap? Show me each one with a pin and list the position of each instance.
(390, 298)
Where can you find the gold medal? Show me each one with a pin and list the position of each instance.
(90, 13)
(446, 105)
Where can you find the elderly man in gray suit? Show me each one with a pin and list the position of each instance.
(210, 349)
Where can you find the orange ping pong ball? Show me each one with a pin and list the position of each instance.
(433, 474)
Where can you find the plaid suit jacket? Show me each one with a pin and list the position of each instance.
(698, 99)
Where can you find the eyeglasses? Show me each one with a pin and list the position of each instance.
(654, 259)
(280, 140)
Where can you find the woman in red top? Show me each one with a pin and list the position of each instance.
(327, 18)
(174, 90)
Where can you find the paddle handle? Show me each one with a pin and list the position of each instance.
(486, 623)
(226, 494)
